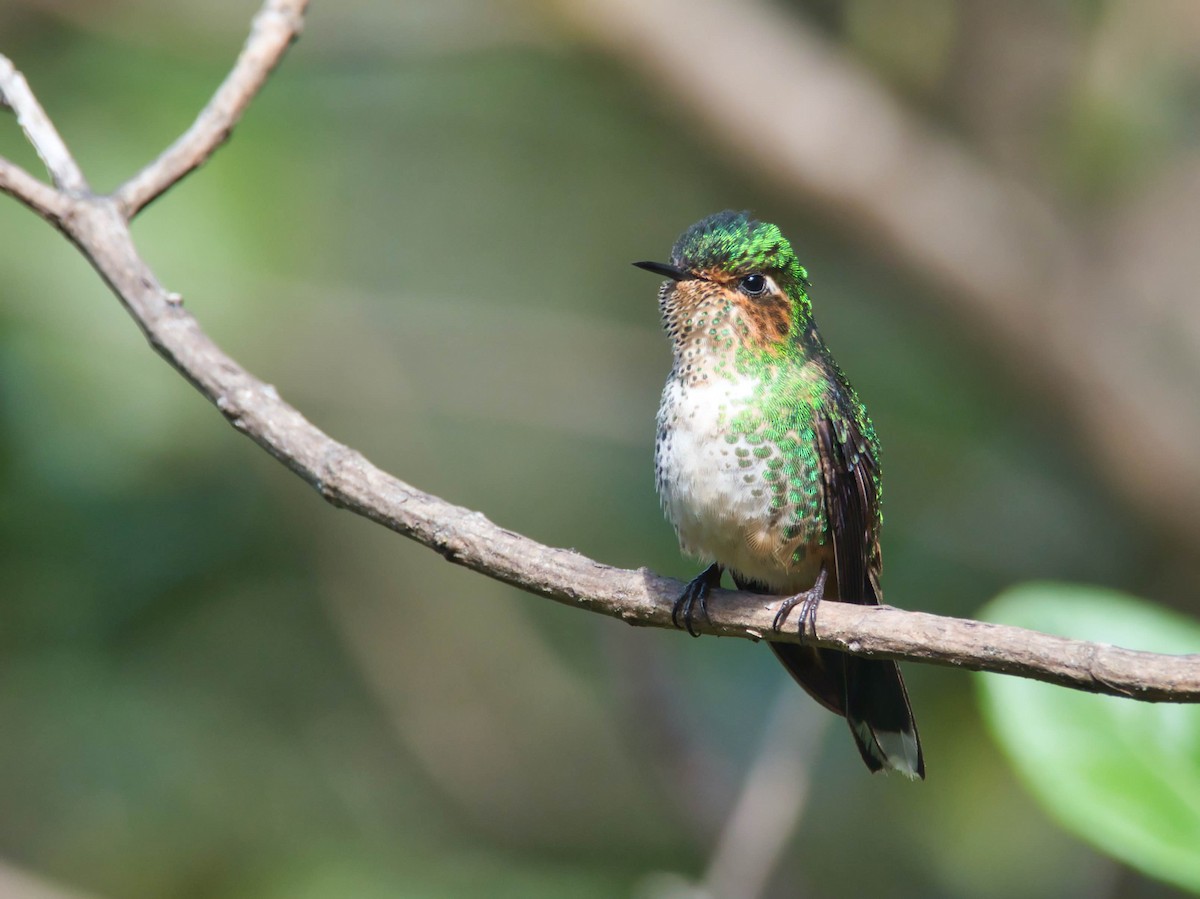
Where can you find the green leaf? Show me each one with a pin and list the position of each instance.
(1124, 775)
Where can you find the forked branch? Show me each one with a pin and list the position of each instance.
(99, 226)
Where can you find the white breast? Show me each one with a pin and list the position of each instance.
(713, 495)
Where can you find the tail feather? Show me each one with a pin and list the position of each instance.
(869, 694)
(880, 717)
(821, 672)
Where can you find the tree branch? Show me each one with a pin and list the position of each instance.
(273, 30)
(99, 227)
(41, 198)
(16, 95)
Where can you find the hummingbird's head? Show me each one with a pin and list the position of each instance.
(735, 283)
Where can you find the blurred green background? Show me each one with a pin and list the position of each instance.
(214, 685)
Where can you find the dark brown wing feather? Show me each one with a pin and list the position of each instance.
(873, 696)
(851, 507)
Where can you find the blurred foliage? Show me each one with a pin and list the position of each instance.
(213, 685)
(1124, 775)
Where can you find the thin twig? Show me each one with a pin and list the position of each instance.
(38, 196)
(273, 30)
(40, 131)
(99, 227)
(16, 883)
(774, 793)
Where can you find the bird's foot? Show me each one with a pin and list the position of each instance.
(695, 595)
(808, 602)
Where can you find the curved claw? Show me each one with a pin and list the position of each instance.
(696, 594)
(808, 602)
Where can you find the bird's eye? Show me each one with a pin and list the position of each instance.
(754, 285)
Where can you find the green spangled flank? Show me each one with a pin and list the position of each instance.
(1124, 775)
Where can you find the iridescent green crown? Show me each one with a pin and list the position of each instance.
(735, 242)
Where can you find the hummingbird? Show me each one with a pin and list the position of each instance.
(767, 465)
